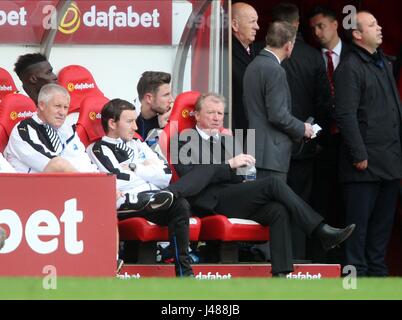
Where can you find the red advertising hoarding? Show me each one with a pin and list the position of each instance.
(63, 221)
(88, 22)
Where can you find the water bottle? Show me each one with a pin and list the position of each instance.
(251, 173)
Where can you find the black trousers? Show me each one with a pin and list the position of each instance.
(177, 221)
(271, 202)
(326, 198)
(300, 180)
(268, 201)
(371, 206)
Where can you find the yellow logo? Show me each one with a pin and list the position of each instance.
(92, 115)
(71, 20)
(185, 113)
(70, 87)
(13, 115)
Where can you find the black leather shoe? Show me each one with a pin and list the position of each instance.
(150, 201)
(331, 237)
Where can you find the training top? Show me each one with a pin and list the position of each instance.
(30, 148)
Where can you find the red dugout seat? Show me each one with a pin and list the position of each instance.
(148, 231)
(144, 235)
(217, 228)
(7, 84)
(181, 117)
(89, 126)
(13, 109)
(80, 84)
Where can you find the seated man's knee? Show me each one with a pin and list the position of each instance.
(181, 207)
(278, 211)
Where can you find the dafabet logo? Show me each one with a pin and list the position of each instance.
(71, 20)
(111, 18)
(93, 115)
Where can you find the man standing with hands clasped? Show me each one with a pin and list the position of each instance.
(368, 113)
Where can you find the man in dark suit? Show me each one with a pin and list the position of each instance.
(309, 88)
(268, 201)
(244, 30)
(368, 114)
(326, 193)
(268, 103)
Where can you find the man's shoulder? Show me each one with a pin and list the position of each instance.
(23, 125)
(263, 62)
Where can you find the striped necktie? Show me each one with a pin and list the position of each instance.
(54, 139)
(123, 146)
(330, 71)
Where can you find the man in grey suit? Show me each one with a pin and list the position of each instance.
(268, 103)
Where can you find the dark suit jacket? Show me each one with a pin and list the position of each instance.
(309, 87)
(368, 113)
(240, 61)
(268, 108)
(199, 153)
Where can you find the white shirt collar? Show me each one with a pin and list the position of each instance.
(277, 58)
(206, 136)
(337, 49)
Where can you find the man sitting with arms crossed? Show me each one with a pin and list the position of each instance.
(139, 170)
(268, 201)
(44, 143)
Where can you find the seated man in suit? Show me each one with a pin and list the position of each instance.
(139, 171)
(268, 201)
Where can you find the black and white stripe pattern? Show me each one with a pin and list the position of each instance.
(123, 146)
(54, 139)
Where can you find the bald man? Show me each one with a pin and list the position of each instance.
(244, 30)
(368, 112)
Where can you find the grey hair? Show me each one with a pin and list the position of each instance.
(216, 97)
(47, 91)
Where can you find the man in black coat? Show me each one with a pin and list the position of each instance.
(207, 161)
(326, 192)
(368, 114)
(244, 30)
(309, 88)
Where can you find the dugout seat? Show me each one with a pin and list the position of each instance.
(221, 233)
(7, 84)
(80, 84)
(13, 108)
(89, 126)
(141, 237)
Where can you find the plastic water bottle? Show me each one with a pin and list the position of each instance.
(251, 173)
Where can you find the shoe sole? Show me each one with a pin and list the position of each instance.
(346, 235)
